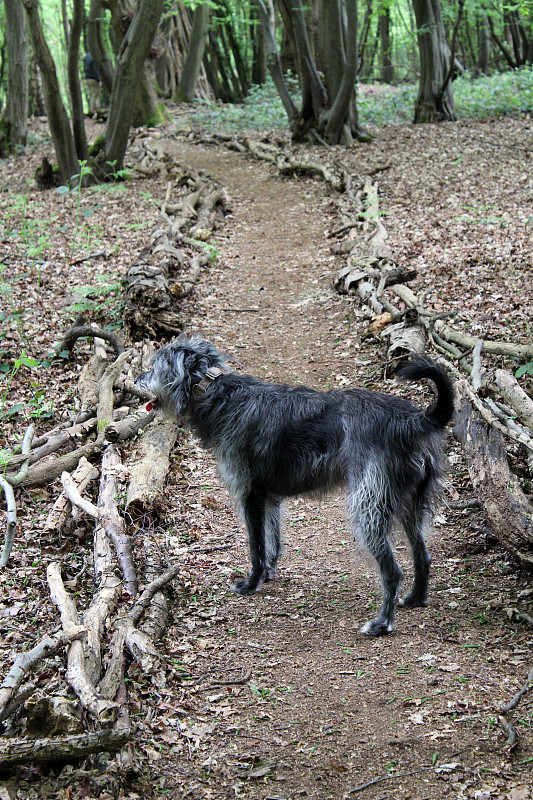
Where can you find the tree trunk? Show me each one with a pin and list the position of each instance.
(148, 109)
(195, 53)
(36, 99)
(432, 105)
(483, 61)
(73, 70)
(16, 112)
(64, 146)
(342, 122)
(329, 112)
(259, 63)
(387, 71)
(314, 95)
(97, 46)
(131, 56)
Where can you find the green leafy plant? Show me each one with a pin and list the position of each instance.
(75, 189)
(104, 296)
(117, 174)
(525, 369)
(22, 361)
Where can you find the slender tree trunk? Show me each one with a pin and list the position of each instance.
(432, 105)
(274, 65)
(259, 64)
(364, 37)
(16, 112)
(97, 46)
(73, 70)
(131, 56)
(387, 71)
(36, 99)
(195, 53)
(314, 95)
(65, 149)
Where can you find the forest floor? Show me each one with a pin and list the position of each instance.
(278, 696)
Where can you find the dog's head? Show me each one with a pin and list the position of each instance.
(177, 368)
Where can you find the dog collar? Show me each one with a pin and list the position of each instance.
(201, 388)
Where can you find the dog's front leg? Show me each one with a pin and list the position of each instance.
(254, 507)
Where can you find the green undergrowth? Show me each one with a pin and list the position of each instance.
(506, 93)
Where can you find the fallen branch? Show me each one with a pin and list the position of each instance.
(101, 709)
(63, 748)
(497, 489)
(55, 442)
(11, 520)
(514, 395)
(148, 473)
(26, 662)
(84, 331)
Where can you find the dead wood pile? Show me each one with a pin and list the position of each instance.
(95, 672)
(167, 268)
(118, 625)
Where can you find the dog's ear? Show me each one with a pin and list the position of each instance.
(178, 390)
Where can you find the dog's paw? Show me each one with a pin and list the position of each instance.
(413, 600)
(244, 586)
(270, 574)
(377, 627)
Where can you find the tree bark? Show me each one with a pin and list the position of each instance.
(483, 61)
(507, 508)
(195, 53)
(61, 748)
(95, 35)
(131, 56)
(16, 112)
(387, 70)
(432, 105)
(73, 71)
(64, 145)
(342, 118)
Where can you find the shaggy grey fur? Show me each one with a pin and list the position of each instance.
(274, 441)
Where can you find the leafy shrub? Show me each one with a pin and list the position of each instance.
(481, 97)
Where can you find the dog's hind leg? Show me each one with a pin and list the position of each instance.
(415, 525)
(254, 507)
(372, 518)
(391, 576)
(272, 537)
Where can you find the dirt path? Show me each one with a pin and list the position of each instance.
(278, 696)
(288, 700)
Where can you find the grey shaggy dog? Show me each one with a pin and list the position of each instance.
(274, 441)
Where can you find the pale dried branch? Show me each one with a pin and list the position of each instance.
(103, 710)
(72, 493)
(16, 480)
(26, 662)
(11, 520)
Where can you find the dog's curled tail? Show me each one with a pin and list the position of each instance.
(441, 411)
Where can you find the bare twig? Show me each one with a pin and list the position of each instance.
(528, 685)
